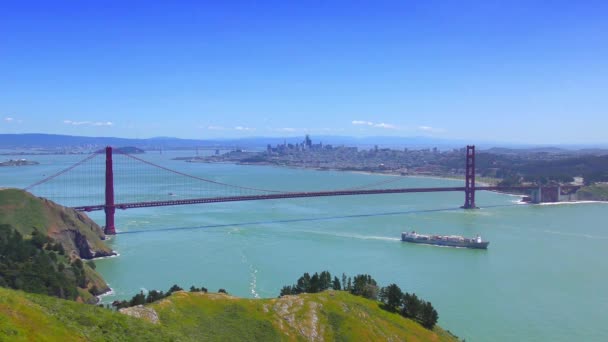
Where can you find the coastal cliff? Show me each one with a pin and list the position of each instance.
(77, 233)
(79, 237)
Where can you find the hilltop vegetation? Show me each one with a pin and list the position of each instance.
(329, 316)
(200, 316)
(392, 300)
(363, 285)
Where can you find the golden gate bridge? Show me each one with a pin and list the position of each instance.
(214, 191)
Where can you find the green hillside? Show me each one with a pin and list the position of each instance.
(32, 317)
(37, 218)
(76, 231)
(327, 316)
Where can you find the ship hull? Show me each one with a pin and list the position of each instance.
(447, 243)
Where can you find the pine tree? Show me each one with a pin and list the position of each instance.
(392, 297)
(315, 284)
(336, 284)
(286, 291)
(428, 315)
(411, 306)
(303, 284)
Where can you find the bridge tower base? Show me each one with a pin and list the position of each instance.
(109, 208)
(469, 189)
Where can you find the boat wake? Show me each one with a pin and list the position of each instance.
(352, 236)
(253, 282)
(572, 203)
(587, 236)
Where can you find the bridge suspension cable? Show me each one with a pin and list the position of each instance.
(382, 182)
(53, 176)
(196, 177)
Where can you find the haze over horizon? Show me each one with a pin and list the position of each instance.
(517, 72)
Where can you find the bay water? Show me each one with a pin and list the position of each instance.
(543, 277)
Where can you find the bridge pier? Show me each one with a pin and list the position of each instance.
(109, 207)
(469, 188)
(549, 194)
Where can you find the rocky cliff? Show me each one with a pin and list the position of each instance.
(79, 235)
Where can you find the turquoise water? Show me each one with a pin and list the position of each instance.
(542, 279)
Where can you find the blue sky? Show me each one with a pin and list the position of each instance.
(512, 71)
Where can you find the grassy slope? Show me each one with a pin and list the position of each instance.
(330, 316)
(26, 212)
(21, 210)
(30, 317)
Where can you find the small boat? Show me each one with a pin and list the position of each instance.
(445, 240)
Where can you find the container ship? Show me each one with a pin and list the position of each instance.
(445, 240)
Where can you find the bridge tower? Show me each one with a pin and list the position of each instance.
(109, 208)
(469, 188)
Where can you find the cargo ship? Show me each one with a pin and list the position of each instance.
(445, 240)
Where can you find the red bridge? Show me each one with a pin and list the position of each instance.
(110, 205)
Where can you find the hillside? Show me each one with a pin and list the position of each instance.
(326, 316)
(32, 317)
(80, 237)
(74, 230)
(597, 192)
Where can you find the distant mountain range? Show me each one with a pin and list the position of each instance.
(54, 141)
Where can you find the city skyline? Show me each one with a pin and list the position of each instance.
(516, 73)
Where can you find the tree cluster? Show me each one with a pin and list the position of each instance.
(392, 298)
(153, 296)
(38, 265)
(409, 305)
(316, 283)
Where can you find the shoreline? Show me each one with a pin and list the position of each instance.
(372, 173)
(110, 290)
(105, 294)
(572, 202)
(114, 255)
(485, 182)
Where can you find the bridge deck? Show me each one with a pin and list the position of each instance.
(293, 195)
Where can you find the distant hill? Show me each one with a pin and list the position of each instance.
(326, 316)
(52, 141)
(126, 149)
(55, 142)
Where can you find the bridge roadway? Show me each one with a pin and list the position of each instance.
(286, 195)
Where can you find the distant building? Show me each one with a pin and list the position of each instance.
(307, 142)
